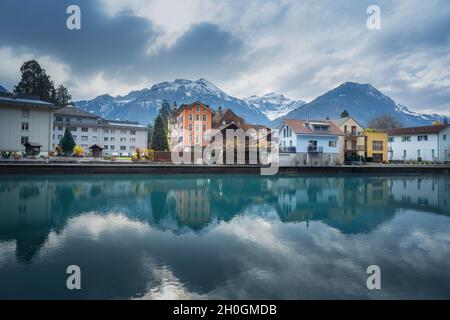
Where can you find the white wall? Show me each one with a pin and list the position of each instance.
(399, 147)
(39, 124)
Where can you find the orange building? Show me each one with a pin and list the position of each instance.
(193, 122)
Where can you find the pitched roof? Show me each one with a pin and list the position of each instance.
(304, 127)
(73, 111)
(418, 130)
(227, 116)
(193, 104)
(341, 121)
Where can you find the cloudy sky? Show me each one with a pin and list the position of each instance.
(298, 48)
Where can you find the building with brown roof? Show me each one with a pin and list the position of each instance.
(425, 143)
(310, 142)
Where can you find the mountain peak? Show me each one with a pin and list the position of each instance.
(3, 89)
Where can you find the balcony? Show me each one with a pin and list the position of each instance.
(288, 150)
(354, 134)
(315, 149)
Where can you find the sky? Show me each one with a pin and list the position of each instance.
(297, 48)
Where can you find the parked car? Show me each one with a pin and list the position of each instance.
(124, 154)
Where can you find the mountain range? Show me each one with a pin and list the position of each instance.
(362, 101)
(2, 89)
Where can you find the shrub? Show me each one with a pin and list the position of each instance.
(6, 155)
(112, 158)
(134, 157)
(16, 156)
(78, 151)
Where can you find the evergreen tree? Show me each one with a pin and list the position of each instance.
(149, 134)
(344, 114)
(67, 143)
(62, 96)
(159, 138)
(164, 112)
(35, 81)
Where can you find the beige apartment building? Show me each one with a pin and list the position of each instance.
(25, 119)
(353, 140)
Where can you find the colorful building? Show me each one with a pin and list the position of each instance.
(376, 146)
(353, 141)
(192, 123)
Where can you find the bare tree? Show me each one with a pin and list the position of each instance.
(384, 122)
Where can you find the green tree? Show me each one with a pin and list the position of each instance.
(164, 112)
(159, 139)
(149, 134)
(344, 114)
(62, 96)
(67, 143)
(35, 81)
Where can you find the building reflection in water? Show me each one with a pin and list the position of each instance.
(32, 207)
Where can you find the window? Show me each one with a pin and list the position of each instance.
(432, 154)
(60, 119)
(73, 129)
(132, 140)
(204, 117)
(23, 140)
(404, 154)
(132, 132)
(106, 131)
(320, 128)
(25, 126)
(74, 137)
(418, 153)
(94, 138)
(105, 139)
(67, 119)
(196, 139)
(198, 108)
(197, 117)
(204, 127)
(391, 139)
(377, 145)
(197, 127)
(332, 144)
(123, 131)
(79, 119)
(94, 129)
(113, 131)
(25, 113)
(84, 129)
(105, 147)
(113, 139)
(123, 148)
(190, 116)
(290, 143)
(59, 136)
(190, 127)
(111, 147)
(444, 137)
(406, 138)
(422, 138)
(132, 148)
(84, 138)
(60, 128)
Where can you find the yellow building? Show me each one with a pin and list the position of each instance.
(376, 145)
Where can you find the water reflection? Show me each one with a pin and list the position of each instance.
(217, 236)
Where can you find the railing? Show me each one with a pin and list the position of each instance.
(287, 149)
(315, 149)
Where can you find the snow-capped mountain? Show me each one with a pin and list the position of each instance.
(2, 89)
(143, 105)
(361, 101)
(274, 105)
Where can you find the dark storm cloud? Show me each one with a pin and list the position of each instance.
(115, 45)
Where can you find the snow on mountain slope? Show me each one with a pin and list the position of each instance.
(274, 105)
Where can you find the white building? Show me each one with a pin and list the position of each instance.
(310, 143)
(427, 143)
(115, 137)
(25, 119)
